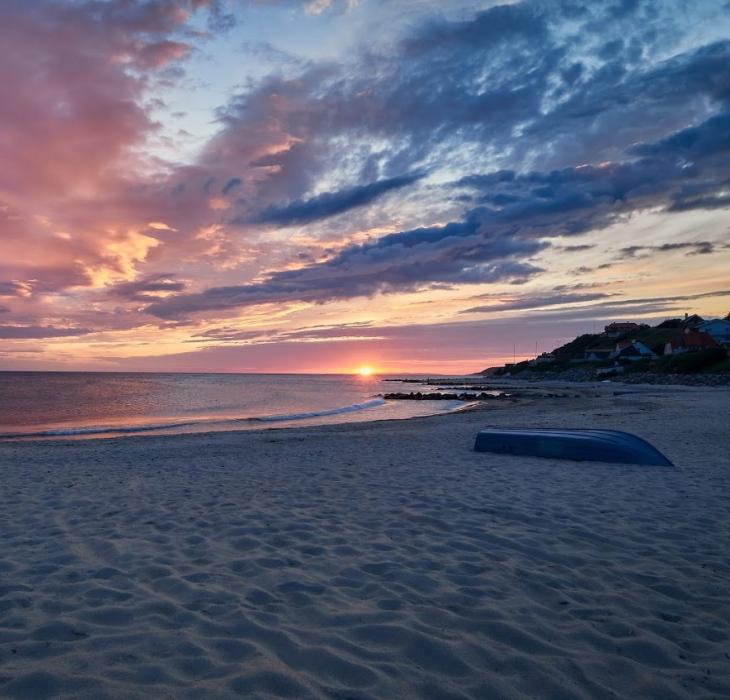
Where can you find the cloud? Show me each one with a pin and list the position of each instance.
(578, 248)
(471, 344)
(75, 121)
(311, 7)
(148, 288)
(332, 203)
(458, 252)
(605, 306)
(161, 53)
(709, 139)
(316, 7)
(555, 119)
(671, 299)
(518, 212)
(536, 302)
(340, 332)
(462, 89)
(691, 247)
(12, 289)
(231, 185)
(8, 332)
(585, 197)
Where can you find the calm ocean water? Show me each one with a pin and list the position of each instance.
(87, 404)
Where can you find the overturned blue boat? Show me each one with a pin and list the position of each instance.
(588, 445)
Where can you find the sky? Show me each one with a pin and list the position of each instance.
(317, 185)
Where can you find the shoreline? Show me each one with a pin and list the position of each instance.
(373, 559)
(474, 394)
(197, 425)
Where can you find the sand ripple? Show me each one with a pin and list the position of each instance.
(367, 562)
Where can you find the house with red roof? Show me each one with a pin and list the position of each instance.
(690, 341)
(620, 327)
(718, 328)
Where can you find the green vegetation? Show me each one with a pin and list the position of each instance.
(576, 348)
(691, 362)
(572, 355)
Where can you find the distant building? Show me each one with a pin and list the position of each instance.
(692, 321)
(598, 354)
(544, 358)
(690, 341)
(718, 328)
(632, 350)
(620, 327)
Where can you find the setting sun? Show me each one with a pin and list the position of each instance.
(365, 371)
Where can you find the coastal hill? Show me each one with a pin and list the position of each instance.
(688, 346)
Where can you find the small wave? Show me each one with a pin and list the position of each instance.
(130, 429)
(100, 430)
(327, 412)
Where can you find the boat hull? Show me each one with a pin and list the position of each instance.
(579, 444)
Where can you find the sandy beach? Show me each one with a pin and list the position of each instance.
(373, 560)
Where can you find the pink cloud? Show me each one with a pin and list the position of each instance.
(160, 53)
(73, 127)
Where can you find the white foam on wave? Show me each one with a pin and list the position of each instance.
(373, 403)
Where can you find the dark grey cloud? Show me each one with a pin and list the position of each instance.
(331, 203)
(231, 185)
(349, 331)
(710, 139)
(536, 302)
(494, 241)
(11, 289)
(145, 289)
(672, 299)
(512, 83)
(33, 279)
(446, 86)
(585, 269)
(621, 308)
(690, 247)
(575, 286)
(627, 101)
(586, 197)
(8, 332)
(460, 252)
(577, 248)
(526, 94)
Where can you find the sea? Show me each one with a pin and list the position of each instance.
(45, 405)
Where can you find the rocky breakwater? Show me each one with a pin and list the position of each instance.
(475, 396)
(441, 396)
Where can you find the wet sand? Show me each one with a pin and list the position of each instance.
(373, 560)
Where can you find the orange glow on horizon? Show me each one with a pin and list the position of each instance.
(365, 371)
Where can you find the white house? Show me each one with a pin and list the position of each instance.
(718, 328)
(632, 350)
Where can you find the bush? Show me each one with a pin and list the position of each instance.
(575, 348)
(692, 362)
(671, 323)
(645, 365)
